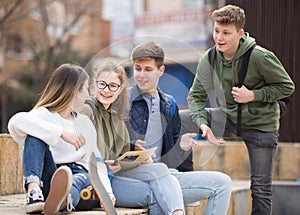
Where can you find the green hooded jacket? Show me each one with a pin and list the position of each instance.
(112, 135)
(266, 77)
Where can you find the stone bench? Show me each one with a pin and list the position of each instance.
(230, 158)
(286, 195)
(14, 204)
(11, 171)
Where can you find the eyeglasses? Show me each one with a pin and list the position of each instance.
(113, 87)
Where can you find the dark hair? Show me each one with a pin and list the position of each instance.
(63, 84)
(148, 50)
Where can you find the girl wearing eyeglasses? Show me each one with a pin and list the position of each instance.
(106, 108)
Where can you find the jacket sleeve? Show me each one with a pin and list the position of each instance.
(278, 83)
(197, 96)
(37, 123)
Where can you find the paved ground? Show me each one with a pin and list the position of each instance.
(14, 204)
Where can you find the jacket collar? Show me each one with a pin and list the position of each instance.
(135, 94)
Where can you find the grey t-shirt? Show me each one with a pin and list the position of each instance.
(154, 132)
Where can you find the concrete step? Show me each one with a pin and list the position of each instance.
(14, 204)
(230, 158)
(286, 195)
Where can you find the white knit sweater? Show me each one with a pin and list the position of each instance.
(48, 126)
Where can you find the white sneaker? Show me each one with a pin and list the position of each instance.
(67, 204)
(34, 201)
(60, 186)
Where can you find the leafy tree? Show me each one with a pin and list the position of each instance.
(38, 34)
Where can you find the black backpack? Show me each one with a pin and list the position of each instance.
(242, 66)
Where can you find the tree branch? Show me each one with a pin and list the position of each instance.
(10, 11)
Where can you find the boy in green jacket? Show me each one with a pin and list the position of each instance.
(265, 83)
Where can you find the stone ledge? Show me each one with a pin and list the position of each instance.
(11, 177)
(232, 159)
(240, 202)
(286, 196)
(14, 204)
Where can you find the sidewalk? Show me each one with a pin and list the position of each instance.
(14, 205)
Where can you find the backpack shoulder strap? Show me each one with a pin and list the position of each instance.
(244, 65)
(212, 55)
(241, 76)
(213, 100)
(242, 70)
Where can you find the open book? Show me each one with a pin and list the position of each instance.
(133, 159)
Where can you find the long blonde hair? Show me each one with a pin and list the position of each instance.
(63, 84)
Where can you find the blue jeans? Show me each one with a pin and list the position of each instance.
(132, 193)
(80, 180)
(210, 185)
(261, 150)
(39, 167)
(163, 185)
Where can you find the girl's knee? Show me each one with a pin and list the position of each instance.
(225, 181)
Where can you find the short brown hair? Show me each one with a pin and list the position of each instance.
(149, 50)
(230, 14)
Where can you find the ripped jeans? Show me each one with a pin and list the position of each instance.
(39, 167)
